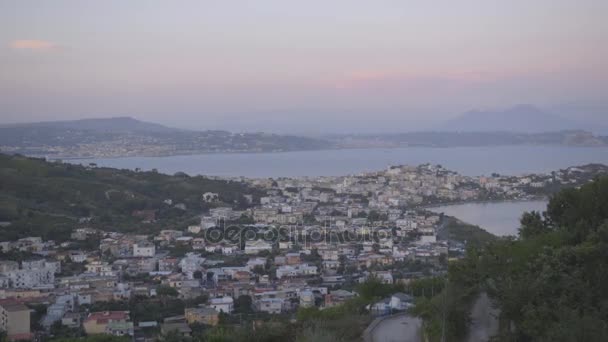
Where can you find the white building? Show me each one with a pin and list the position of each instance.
(100, 268)
(296, 270)
(270, 305)
(25, 279)
(191, 263)
(256, 246)
(146, 250)
(194, 229)
(222, 304)
(209, 197)
(78, 257)
(401, 301)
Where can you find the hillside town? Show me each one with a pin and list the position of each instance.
(307, 243)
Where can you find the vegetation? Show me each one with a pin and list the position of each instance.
(456, 230)
(48, 199)
(95, 338)
(149, 309)
(549, 284)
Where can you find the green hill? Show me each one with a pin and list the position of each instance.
(49, 199)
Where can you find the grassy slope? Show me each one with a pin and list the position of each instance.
(44, 198)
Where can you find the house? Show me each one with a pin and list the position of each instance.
(181, 328)
(191, 263)
(307, 299)
(78, 257)
(194, 229)
(101, 268)
(115, 323)
(167, 264)
(209, 197)
(285, 244)
(198, 243)
(15, 319)
(296, 270)
(401, 301)
(142, 249)
(222, 304)
(71, 320)
(256, 246)
(8, 265)
(253, 262)
(382, 307)
(384, 276)
(169, 235)
(331, 264)
(338, 297)
(30, 278)
(204, 315)
(293, 258)
(280, 260)
(269, 305)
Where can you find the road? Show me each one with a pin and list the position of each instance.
(402, 328)
(484, 320)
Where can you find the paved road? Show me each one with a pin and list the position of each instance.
(484, 320)
(403, 328)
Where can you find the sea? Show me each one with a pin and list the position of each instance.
(498, 218)
(470, 161)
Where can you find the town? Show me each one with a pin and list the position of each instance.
(307, 243)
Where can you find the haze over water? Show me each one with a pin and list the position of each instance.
(471, 161)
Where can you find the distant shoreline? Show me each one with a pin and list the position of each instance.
(183, 154)
(533, 199)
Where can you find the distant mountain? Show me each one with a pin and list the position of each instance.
(521, 118)
(121, 124)
(123, 136)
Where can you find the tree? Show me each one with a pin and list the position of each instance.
(550, 284)
(532, 224)
(259, 270)
(243, 304)
(166, 291)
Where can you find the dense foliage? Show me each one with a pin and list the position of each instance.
(551, 284)
(47, 199)
(548, 285)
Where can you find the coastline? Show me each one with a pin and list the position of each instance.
(337, 148)
(443, 204)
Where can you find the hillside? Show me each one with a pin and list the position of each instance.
(120, 137)
(48, 199)
(115, 125)
(548, 285)
(521, 118)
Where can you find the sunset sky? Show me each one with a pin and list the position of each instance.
(282, 65)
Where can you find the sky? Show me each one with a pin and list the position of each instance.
(300, 66)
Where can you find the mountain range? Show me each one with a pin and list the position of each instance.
(126, 136)
(522, 118)
(120, 124)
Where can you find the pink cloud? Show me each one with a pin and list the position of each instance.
(33, 44)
